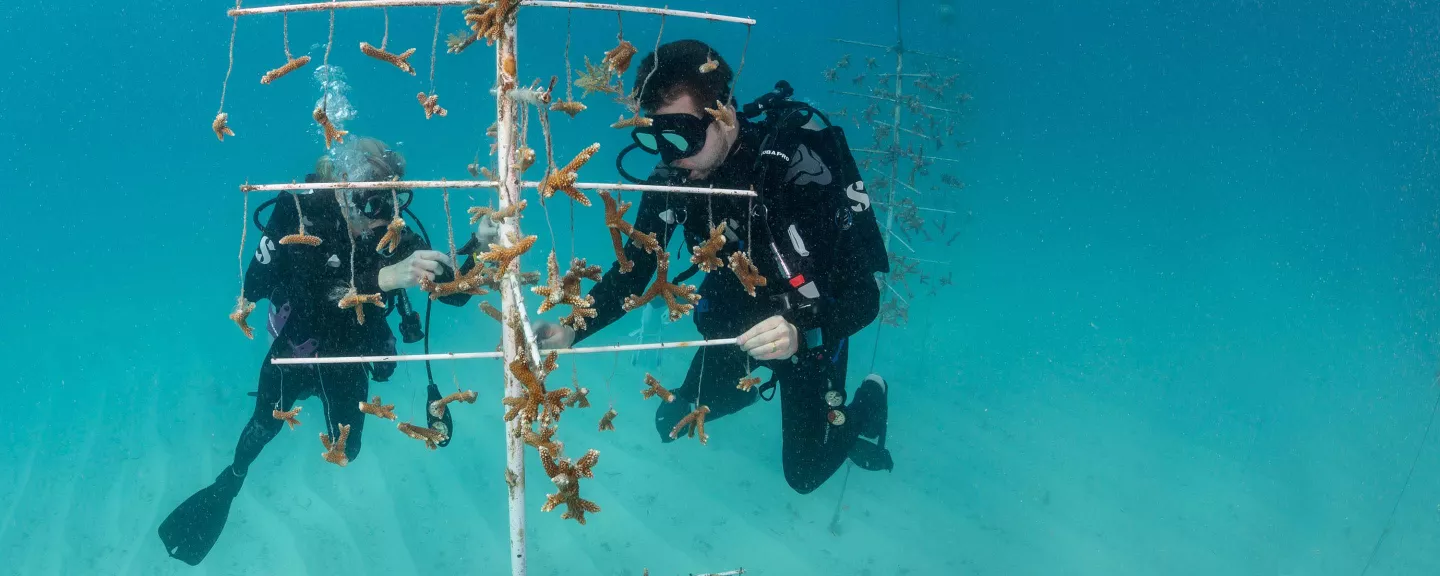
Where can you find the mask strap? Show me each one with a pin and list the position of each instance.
(620, 164)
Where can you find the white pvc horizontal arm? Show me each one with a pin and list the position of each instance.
(482, 355)
(464, 184)
(348, 4)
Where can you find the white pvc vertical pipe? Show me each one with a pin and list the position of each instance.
(509, 193)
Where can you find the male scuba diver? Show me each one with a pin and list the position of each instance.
(304, 283)
(810, 232)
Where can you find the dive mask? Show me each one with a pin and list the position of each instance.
(377, 204)
(672, 136)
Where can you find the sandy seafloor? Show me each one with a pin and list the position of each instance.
(1192, 330)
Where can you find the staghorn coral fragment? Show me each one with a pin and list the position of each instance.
(524, 158)
(288, 416)
(571, 107)
(746, 271)
(358, 302)
(722, 114)
(653, 388)
(705, 254)
(607, 422)
(332, 134)
(632, 122)
(488, 19)
(747, 383)
(398, 60)
(430, 436)
(502, 256)
(710, 65)
(375, 408)
(680, 299)
(615, 221)
(478, 212)
(391, 240)
(472, 283)
(563, 180)
(302, 239)
(566, 476)
(695, 420)
(598, 79)
(534, 403)
(579, 395)
(241, 315)
(221, 126)
(543, 439)
(491, 311)
(431, 104)
(457, 42)
(618, 58)
(437, 408)
(291, 66)
(335, 450)
(565, 290)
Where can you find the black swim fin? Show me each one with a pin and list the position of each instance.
(192, 529)
(445, 424)
(874, 396)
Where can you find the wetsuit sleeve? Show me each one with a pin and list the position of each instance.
(610, 292)
(271, 265)
(855, 305)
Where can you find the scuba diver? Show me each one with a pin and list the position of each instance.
(814, 238)
(303, 284)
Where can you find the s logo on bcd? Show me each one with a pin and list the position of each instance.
(857, 193)
(262, 254)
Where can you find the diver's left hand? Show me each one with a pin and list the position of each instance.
(773, 339)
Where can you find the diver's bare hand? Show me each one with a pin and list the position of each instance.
(422, 264)
(772, 339)
(551, 335)
(489, 232)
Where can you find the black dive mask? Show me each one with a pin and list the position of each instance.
(672, 136)
(377, 204)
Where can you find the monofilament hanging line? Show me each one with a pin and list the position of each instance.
(735, 81)
(244, 229)
(434, 46)
(285, 34)
(654, 65)
(1403, 488)
(386, 36)
(569, 90)
(450, 232)
(225, 86)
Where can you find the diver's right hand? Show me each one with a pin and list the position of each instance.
(407, 273)
(551, 335)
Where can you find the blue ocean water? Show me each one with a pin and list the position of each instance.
(1191, 327)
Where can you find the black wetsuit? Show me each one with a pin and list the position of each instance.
(303, 285)
(836, 244)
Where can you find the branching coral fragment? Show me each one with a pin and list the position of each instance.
(566, 477)
(288, 416)
(437, 408)
(571, 107)
(472, 283)
(391, 240)
(607, 422)
(358, 302)
(497, 216)
(746, 271)
(615, 221)
(491, 311)
(221, 126)
(747, 383)
(579, 395)
(705, 254)
(543, 439)
(430, 436)
(375, 408)
(332, 134)
(598, 79)
(696, 422)
(488, 19)
(431, 104)
(565, 290)
(722, 114)
(680, 299)
(398, 60)
(502, 256)
(710, 65)
(618, 58)
(653, 388)
(633, 122)
(241, 315)
(291, 66)
(335, 450)
(563, 180)
(457, 42)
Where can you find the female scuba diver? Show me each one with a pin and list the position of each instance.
(814, 238)
(304, 284)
